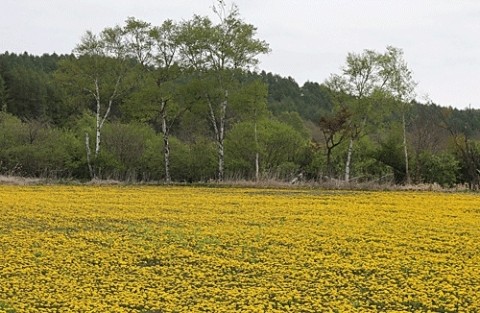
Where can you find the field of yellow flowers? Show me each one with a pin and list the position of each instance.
(186, 249)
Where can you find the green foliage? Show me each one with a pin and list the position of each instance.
(286, 170)
(279, 146)
(249, 102)
(312, 162)
(188, 162)
(296, 122)
(124, 146)
(11, 130)
(390, 153)
(240, 150)
(442, 168)
(34, 149)
(202, 159)
(468, 154)
(311, 101)
(154, 162)
(28, 89)
(316, 101)
(281, 143)
(3, 95)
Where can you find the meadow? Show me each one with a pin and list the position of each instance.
(196, 249)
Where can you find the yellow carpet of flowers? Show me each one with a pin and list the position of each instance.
(186, 249)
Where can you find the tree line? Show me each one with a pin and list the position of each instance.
(184, 101)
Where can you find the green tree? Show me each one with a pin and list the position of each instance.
(369, 83)
(202, 160)
(442, 168)
(35, 149)
(250, 103)
(217, 52)
(426, 136)
(295, 120)
(279, 147)
(127, 146)
(155, 48)
(28, 90)
(316, 101)
(3, 95)
(11, 135)
(390, 152)
(461, 125)
(98, 71)
(335, 129)
(401, 86)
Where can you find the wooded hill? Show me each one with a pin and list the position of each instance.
(183, 102)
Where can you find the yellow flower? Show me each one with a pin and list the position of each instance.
(183, 249)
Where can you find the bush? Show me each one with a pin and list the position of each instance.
(124, 147)
(203, 161)
(34, 149)
(438, 168)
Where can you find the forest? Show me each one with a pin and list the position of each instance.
(186, 102)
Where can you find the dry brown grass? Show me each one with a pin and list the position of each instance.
(264, 183)
(106, 182)
(20, 181)
(337, 185)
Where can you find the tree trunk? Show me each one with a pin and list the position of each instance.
(97, 139)
(221, 147)
(166, 144)
(349, 159)
(98, 128)
(356, 133)
(98, 123)
(219, 130)
(257, 154)
(100, 120)
(91, 169)
(405, 150)
(329, 163)
(221, 158)
(166, 156)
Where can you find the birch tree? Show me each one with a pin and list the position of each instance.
(155, 48)
(401, 86)
(102, 69)
(103, 62)
(98, 71)
(216, 52)
(251, 104)
(367, 84)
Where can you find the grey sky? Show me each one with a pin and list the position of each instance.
(309, 38)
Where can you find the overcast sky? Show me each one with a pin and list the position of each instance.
(309, 38)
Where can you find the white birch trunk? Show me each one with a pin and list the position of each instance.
(166, 143)
(97, 140)
(97, 120)
(89, 159)
(353, 138)
(405, 150)
(221, 146)
(257, 155)
(349, 160)
(219, 131)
